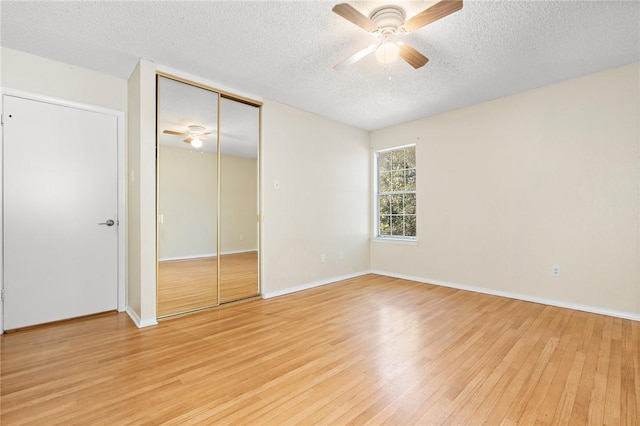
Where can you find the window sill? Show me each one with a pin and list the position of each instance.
(395, 241)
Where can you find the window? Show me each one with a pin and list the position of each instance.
(396, 193)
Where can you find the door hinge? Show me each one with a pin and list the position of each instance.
(2, 120)
(2, 295)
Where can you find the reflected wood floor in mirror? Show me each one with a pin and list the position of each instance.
(238, 276)
(186, 285)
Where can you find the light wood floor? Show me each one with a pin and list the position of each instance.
(186, 285)
(367, 350)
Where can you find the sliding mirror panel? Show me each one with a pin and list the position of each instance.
(187, 118)
(239, 232)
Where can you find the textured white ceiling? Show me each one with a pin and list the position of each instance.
(285, 50)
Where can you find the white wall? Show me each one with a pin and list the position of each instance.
(43, 76)
(142, 195)
(322, 204)
(510, 187)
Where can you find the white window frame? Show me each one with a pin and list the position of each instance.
(376, 198)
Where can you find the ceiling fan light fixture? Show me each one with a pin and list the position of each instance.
(196, 142)
(387, 52)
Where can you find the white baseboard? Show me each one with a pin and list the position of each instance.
(137, 321)
(191, 256)
(200, 256)
(307, 286)
(518, 296)
(239, 251)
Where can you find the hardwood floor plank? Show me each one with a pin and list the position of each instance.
(590, 345)
(599, 389)
(370, 350)
(612, 402)
(561, 390)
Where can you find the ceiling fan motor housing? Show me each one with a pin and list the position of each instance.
(196, 130)
(389, 19)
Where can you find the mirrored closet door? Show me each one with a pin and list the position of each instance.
(239, 233)
(187, 151)
(208, 198)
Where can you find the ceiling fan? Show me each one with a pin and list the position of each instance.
(194, 136)
(388, 23)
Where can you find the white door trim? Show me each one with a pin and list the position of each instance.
(122, 247)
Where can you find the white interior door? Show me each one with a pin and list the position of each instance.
(60, 183)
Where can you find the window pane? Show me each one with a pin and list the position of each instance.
(398, 180)
(385, 228)
(397, 227)
(396, 204)
(410, 226)
(384, 161)
(410, 158)
(384, 184)
(410, 178)
(397, 162)
(410, 203)
(384, 204)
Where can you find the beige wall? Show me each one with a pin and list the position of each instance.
(141, 193)
(188, 204)
(188, 198)
(238, 204)
(508, 188)
(322, 204)
(42, 76)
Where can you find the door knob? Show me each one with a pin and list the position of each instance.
(109, 222)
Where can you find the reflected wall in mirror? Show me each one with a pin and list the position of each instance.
(187, 119)
(239, 226)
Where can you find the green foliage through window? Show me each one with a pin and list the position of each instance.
(396, 197)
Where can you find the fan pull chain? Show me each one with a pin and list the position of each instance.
(387, 68)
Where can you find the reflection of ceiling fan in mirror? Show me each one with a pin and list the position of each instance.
(388, 24)
(194, 136)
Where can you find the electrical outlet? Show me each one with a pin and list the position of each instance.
(323, 258)
(341, 255)
(241, 237)
(276, 184)
(555, 271)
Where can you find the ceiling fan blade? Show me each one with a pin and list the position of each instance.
(352, 15)
(435, 12)
(171, 132)
(412, 56)
(355, 57)
(188, 140)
